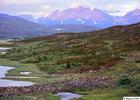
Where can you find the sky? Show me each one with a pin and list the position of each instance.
(45, 7)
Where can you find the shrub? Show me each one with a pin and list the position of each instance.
(136, 86)
(132, 84)
(124, 82)
(68, 65)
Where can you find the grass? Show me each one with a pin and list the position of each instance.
(21, 67)
(6, 43)
(42, 77)
(52, 54)
(47, 96)
(105, 94)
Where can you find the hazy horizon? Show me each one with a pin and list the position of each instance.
(44, 7)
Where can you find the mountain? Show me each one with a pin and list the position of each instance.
(130, 18)
(27, 17)
(133, 16)
(11, 26)
(89, 16)
(72, 28)
(80, 12)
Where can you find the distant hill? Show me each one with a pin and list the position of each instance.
(133, 16)
(130, 18)
(72, 28)
(27, 17)
(12, 26)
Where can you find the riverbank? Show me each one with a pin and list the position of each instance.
(42, 77)
(95, 94)
(8, 83)
(53, 79)
(21, 67)
(88, 83)
(98, 89)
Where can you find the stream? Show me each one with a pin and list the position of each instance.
(10, 83)
(3, 72)
(68, 95)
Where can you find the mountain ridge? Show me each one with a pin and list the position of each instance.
(89, 16)
(13, 26)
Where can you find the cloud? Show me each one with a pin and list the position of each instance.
(37, 7)
(120, 9)
(34, 14)
(42, 11)
(75, 4)
(45, 7)
(138, 6)
(22, 1)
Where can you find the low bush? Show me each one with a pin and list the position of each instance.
(124, 82)
(136, 86)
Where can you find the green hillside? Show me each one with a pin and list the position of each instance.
(81, 51)
(113, 52)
